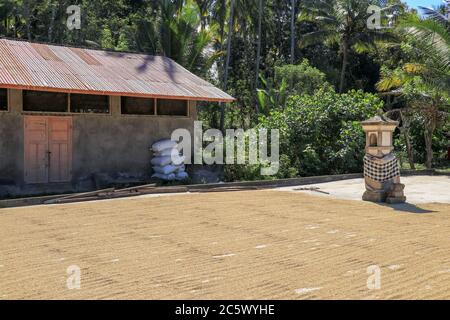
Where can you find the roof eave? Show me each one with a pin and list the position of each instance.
(115, 93)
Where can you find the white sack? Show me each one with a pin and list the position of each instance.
(166, 177)
(181, 176)
(166, 169)
(163, 145)
(168, 153)
(178, 161)
(161, 161)
(181, 168)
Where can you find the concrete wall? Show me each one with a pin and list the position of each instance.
(115, 145)
(11, 141)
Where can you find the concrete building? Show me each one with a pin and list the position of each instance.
(69, 116)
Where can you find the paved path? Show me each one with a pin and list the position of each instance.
(419, 189)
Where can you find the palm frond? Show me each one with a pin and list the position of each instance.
(414, 68)
(435, 16)
(435, 37)
(314, 37)
(389, 83)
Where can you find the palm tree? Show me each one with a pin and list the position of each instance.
(258, 46)
(177, 33)
(293, 31)
(204, 7)
(433, 33)
(219, 15)
(6, 14)
(26, 6)
(342, 22)
(227, 61)
(425, 80)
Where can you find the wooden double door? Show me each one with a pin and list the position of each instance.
(47, 149)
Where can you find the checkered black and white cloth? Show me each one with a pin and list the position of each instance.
(381, 170)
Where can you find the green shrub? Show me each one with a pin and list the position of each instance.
(301, 79)
(321, 133)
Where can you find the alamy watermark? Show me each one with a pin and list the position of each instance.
(74, 280)
(374, 279)
(374, 22)
(74, 19)
(237, 147)
(390, 13)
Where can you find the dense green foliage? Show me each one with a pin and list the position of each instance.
(422, 80)
(286, 62)
(301, 79)
(321, 133)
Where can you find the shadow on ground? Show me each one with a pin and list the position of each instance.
(407, 207)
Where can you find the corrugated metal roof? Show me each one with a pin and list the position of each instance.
(34, 66)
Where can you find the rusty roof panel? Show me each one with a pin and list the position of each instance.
(25, 65)
(45, 52)
(86, 57)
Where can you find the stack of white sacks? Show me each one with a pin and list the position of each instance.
(168, 163)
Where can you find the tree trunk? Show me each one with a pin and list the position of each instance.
(344, 65)
(293, 32)
(26, 11)
(258, 50)
(52, 22)
(227, 63)
(16, 26)
(203, 10)
(222, 33)
(431, 124)
(202, 20)
(215, 119)
(409, 149)
(6, 24)
(406, 130)
(429, 148)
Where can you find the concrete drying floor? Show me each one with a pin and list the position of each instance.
(419, 189)
(239, 245)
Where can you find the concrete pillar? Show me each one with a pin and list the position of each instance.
(15, 101)
(115, 106)
(193, 110)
